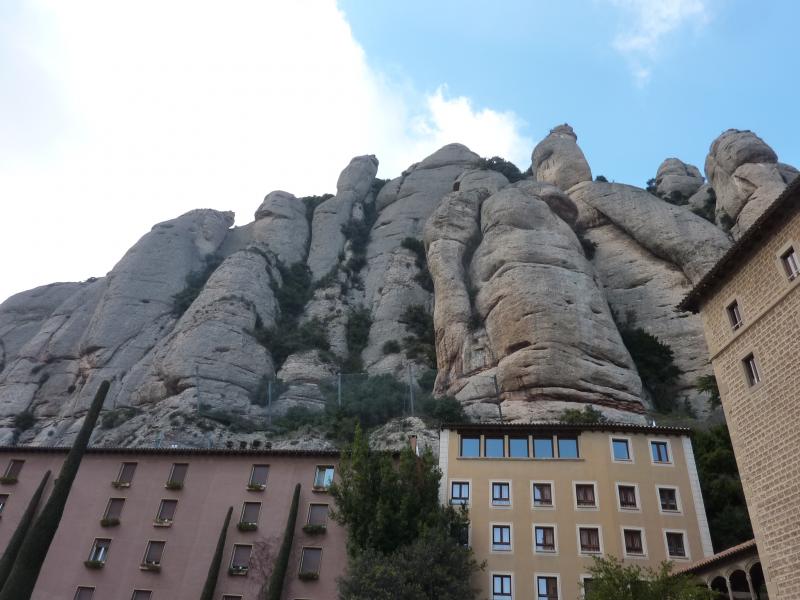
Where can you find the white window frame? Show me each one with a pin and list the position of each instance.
(635, 487)
(450, 491)
(744, 362)
(583, 577)
(323, 488)
(494, 574)
(555, 539)
(789, 247)
(733, 312)
(599, 528)
(660, 486)
(538, 574)
(510, 494)
(625, 553)
(670, 454)
(612, 439)
(510, 526)
(552, 485)
(596, 506)
(686, 548)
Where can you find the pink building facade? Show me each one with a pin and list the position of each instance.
(143, 523)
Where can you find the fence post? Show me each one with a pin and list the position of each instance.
(411, 386)
(269, 401)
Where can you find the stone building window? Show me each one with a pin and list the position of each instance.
(734, 315)
(501, 538)
(634, 542)
(125, 475)
(258, 478)
(545, 538)
(660, 452)
(589, 540)
(470, 447)
(494, 447)
(176, 476)
(459, 492)
(166, 512)
(546, 588)
(751, 370)
(323, 477)
(585, 496)
(676, 548)
(142, 595)
(668, 497)
(627, 496)
(501, 493)
(791, 264)
(543, 494)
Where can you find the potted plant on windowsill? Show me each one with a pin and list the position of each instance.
(8, 480)
(162, 522)
(150, 566)
(256, 487)
(94, 564)
(237, 570)
(121, 484)
(314, 529)
(308, 576)
(174, 485)
(320, 488)
(109, 522)
(245, 526)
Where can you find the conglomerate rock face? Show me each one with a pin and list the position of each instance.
(528, 286)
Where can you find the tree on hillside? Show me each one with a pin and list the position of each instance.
(402, 544)
(723, 495)
(31, 555)
(612, 580)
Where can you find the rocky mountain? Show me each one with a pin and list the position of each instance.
(523, 291)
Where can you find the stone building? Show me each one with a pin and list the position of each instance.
(544, 499)
(143, 523)
(735, 573)
(750, 307)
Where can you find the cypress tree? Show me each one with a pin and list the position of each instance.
(213, 570)
(10, 555)
(282, 561)
(32, 552)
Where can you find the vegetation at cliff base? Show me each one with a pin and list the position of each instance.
(589, 415)
(402, 543)
(655, 363)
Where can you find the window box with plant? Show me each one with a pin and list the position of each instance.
(8, 479)
(237, 570)
(256, 487)
(154, 567)
(94, 564)
(174, 485)
(314, 529)
(308, 575)
(109, 521)
(121, 484)
(246, 526)
(158, 522)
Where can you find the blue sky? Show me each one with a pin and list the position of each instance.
(115, 116)
(551, 62)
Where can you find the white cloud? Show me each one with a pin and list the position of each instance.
(127, 114)
(649, 22)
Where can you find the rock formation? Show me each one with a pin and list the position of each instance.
(529, 286)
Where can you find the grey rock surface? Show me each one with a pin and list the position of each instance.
(327, 239)
(673, 233)
(675, 177)
(746, 176)
(558, 160)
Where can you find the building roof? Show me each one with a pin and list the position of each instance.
(149, 450)
(568, 427)
(775, 215)
(720, 557)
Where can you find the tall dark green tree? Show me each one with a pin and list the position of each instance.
(32, 552)
(14, 544)
(402, 544)
(216, 561)
(723, 495)
(275, 588)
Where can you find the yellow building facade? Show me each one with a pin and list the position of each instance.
(544, 499)
(750, 307)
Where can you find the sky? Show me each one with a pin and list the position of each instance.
(115, 116)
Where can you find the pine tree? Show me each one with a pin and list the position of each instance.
(31, 555)
(282, 561)
(213, 569)
(10, 555)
